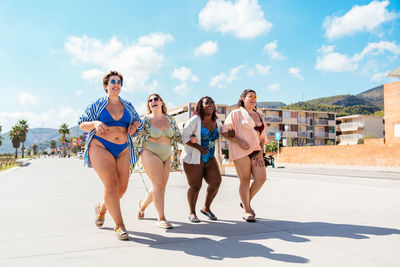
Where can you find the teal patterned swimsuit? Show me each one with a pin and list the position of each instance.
(208, 142)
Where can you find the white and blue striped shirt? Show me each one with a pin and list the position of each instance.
(92, 113)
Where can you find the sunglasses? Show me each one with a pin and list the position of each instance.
(209, 102)
(115, 81)
(154, 99)
(252, 97)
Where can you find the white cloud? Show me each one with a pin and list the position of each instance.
(382, 77)
(155, 39)
(250, 72)
(244, 18)
(94, 75)
(79, 92)
(206, 49)
(358, 19)
(263, 70)
(26, 99)
(222, 80)
(270, 50)
(274, 87)
(296, 73)
(182, 89)
(136, 62)
(47, 119)
(184, 74)
(336, 62)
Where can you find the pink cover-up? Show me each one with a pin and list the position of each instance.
(241, 121)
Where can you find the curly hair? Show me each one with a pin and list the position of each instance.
(106, 78)
(243, 96)
(200, 109)
(163, 108)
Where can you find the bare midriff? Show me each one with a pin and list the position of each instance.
(115, 134)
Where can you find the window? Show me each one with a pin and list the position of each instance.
(331, 117)
(293, 115)
(286, 114)
(397, 130)
(331, 129)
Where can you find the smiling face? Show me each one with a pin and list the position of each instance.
(155, 102)
(250, 101)
(113, 88)
(208, 106)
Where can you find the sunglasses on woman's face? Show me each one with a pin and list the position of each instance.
(208, 102)
(115, 81)
(153, 99)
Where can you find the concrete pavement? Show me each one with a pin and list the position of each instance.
(312, 217)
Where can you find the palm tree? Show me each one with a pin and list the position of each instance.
(1, 138)
(24, 127)
(63, 131)
(15, 137)
(53, 145)
(34, 148)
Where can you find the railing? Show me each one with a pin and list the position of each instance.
(351, 126)
(182, 117)
(344, 137)
(302, 120)
(302, 134)
(321, 121)
(272, 119)
(271, 133)
(321, 134)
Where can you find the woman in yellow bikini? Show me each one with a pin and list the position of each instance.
(153, 144)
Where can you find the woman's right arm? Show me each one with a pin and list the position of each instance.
(231, 133)
(188, 132)
(88, 126)
(88, 120)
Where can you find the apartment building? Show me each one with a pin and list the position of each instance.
(352, 128)
(299, 127)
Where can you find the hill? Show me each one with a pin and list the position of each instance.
(36, 136)
(270, 104)
(366, 103)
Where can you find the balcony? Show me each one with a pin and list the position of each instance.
(302, 121)
(321, 121)
(272, 119)
(182, 117)
(303, 134)
(350, 126)
(347, 137)
(321, 134)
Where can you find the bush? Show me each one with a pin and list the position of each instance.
(272, 147)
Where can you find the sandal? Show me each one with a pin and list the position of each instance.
(164, 224)
(251, 210)
(121, 233)
(249, 218)
(99, 221)
(140, 212)
(210, 215)
(193, 218)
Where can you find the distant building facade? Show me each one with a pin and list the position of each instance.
(350, 129)
(392, 111)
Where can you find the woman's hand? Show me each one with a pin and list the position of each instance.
(244, 145)
(101, 128)
(203, 150)
(133, 128)
(193, 139)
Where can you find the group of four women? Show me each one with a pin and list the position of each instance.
(118, 138)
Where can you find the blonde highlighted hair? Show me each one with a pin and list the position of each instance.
(163, 108)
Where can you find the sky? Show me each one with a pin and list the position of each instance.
(53, 54)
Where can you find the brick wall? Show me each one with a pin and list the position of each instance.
(392, 111)
(375, 154)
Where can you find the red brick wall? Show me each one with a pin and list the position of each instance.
(364, 155)
(392, 111)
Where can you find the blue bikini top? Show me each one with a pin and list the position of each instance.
(107, 119)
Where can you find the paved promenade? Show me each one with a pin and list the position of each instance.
(306, 217)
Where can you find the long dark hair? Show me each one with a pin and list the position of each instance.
(243, 96)
(199, 111)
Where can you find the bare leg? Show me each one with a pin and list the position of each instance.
(154, 169)
(259, 174)
(194, 175)
(243, 169)
(105, 166)
(213, 179)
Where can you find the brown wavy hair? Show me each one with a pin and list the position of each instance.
(106, 78)
(243, 96)
(163, 108)
(199, 110)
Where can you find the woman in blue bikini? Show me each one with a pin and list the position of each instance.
(111, 121)
(202, 158)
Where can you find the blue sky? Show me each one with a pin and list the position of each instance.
(54, 53)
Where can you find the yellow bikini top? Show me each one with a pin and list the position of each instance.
(157, 133)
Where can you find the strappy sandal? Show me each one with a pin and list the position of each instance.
(210, 215)
(99, 221)
(193, 218)
(121, 233)
(140, 212)
(164, 224)
(249, 218)
(252, 212)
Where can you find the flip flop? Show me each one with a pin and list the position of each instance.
(251, 211)
(193, 218)
(140, 212)
(210, 215)
(249, 218)
(164, 224)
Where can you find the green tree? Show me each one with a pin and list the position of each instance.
(272, 147)
(1, 138)
(53, 145)
(34, 148)
(24, 128)
(15, 137)
(64, 130)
